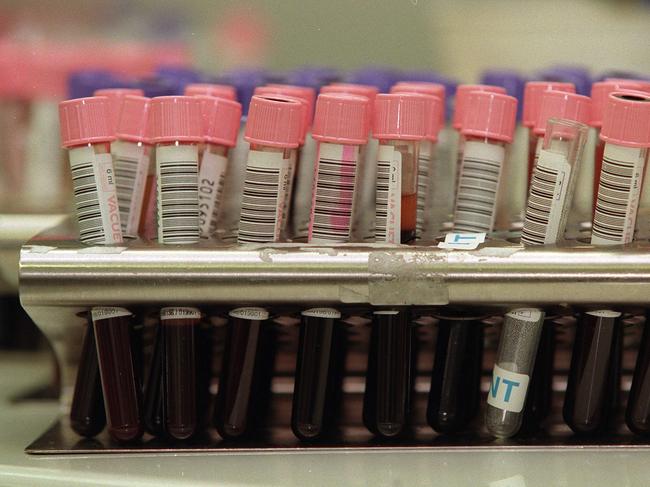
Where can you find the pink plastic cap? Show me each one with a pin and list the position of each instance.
(306, 98)
(84, 121)
(220, 91)
(601, 90)
(275, 121)
(460, 102)
(221, 119)
(133, 121)
(562, 105)
(402, 116)
(116, 96)
(533, 98)
(490, 115)
(368, 91)
(175, 118)
(425, 88)
(626, 120)
(341, 119)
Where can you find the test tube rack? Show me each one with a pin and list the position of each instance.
(60, 279)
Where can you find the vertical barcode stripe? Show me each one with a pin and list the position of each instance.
(86, 199)
(260, 201)
(538, 209)
(381, 211)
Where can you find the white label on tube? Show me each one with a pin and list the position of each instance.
(107, 312)
(330, 313)
(532, 315)
(254, 314)
(289, 191)
(177, 313)
(508, 390)
(389, 195)
(618, 195)
(177, 169)
(604, 313)
(333, 195)
(547, 199)
(95, 197)
(264, 197)
(462, 241)
(424, 196)
(131, 162)
(211, 177)
(480, 174)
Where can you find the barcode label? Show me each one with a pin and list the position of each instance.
(477, 189)
(286, 208)
(211, 177)
(389, 194)
(178, 197)
(180, 314)
(95, 198)
(107, 312)
(424, 193)
(547, 203)
(618, 195)
(333, 195)
(265, 192)
(131, 162)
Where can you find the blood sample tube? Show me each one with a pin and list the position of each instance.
(599, 94)
(555, 173)
(177, 131)
(226, 92)
(341, 130)
(487, 131)
(363, 226)
(221, 125)
(87, 414)
(132, 160)
(389, 376)
(120, 384)
(178, 326)
(514, 364)
(454, 395)
(116, 97)
(637, 413)
(273, 129)
(431, 213)
(400, 123)
(532, 101)
(242, 398)
(592, 387)
(153, 408)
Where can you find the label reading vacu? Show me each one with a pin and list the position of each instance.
(389, 195)
(95, 196)
(508, 390)
(264, 197)
(211, 177)
(547, 199)
(131, 161)
(618, 195)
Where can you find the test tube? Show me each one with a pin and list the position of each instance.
(389, 375)
(87, 414)
(116, 97)
(153, 409)
(533, 92)
(431, 212)
(454, 395)
(86, 134)
(221, 125)
(120, 384)
(514, 364)
(400, 123)
(132, 160)
(592, 387)
(273, 130)
(637, 413)
(242, 398)
(226, 92)
(487, 131)
(556, 168)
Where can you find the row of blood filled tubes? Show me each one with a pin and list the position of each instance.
(381, 188)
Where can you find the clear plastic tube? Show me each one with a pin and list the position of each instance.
(212, 174)
(429, 220)
(265, 194)
(554, 177)
(515, 360)
(478, 186)
(397, 191)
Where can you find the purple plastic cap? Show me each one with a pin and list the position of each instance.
(313, 76)
(511, 80)
(622, 74)
(82, 84)
(567, 74)
(156, 86)
(381, 77)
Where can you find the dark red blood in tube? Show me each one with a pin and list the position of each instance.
(154, 392)
(87, 416)
(122, 396)
(637, 415)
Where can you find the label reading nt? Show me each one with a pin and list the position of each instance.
(508, 390)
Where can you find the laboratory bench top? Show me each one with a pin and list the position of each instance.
(21, 423)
